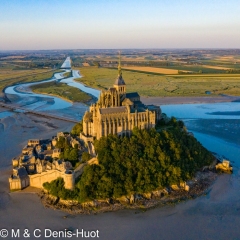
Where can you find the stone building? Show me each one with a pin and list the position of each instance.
(35, 166)
(33, 142)
(19, 179)
(118, 112)
(43, 171)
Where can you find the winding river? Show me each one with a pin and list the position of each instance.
(187, 112)
(45, 102)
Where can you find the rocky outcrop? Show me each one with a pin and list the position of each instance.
(197, 186)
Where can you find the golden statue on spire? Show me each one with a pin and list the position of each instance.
(119, 65)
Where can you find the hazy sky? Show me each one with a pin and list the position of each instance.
(67, 24)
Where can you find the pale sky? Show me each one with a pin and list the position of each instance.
(78, 24)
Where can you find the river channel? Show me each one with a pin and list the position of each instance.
(216, 125)
(44, 102)
(214, 216)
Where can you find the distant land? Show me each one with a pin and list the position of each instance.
(151, 72)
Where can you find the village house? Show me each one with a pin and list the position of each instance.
(39, 162)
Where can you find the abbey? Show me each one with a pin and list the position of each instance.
(118, 112)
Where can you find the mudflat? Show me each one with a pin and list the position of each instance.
(213, 216)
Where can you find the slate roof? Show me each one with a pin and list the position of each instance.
(119, 81)
(22, 172)
(139, 103)
(113, 110)
(132, 95)
(152, 107)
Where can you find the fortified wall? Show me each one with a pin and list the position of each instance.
(37, 180)
(29, 170)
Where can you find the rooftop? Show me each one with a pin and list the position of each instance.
(112, 110)
(119, 81)
(132, 95)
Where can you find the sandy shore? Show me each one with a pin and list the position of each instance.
(212, 216)
(206, 217)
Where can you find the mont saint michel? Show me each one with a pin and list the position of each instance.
(144, 145)
(118, 112)
(110, 154)
(97, 157)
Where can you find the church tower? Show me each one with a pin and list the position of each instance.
(118, 112)
(119, 83)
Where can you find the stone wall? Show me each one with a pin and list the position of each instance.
(37, 180)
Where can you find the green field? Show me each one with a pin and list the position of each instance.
(67, 74)
(148, 84)
(10, 76)
(201, 71)
(29, 67)
(62, 90)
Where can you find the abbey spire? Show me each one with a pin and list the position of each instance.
(119, 82)
(119, 66)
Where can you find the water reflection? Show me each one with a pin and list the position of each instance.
(202, 116)
(71, 82)
(227, 110)
(5, 114)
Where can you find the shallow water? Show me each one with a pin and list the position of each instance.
(192, 112)
(49, 102)
(5, 114)
(44, 103)
(222, 147)
(71, 82)
(228, 110)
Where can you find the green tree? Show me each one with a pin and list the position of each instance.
(86, 156)
(77, 129)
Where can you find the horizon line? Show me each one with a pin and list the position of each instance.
(168, 48)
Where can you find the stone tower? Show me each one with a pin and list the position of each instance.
(69, 179)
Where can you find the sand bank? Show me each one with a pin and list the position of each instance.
(207, 217)
(211, 216)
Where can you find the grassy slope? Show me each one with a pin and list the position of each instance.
(62, 90)
(148, 84)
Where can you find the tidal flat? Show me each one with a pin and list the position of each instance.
(211, 216)
(228, 129)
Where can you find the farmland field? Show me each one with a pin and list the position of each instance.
(160, 85)
(27, 68)
(62, 90)
(153, 70)
(216, 67)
